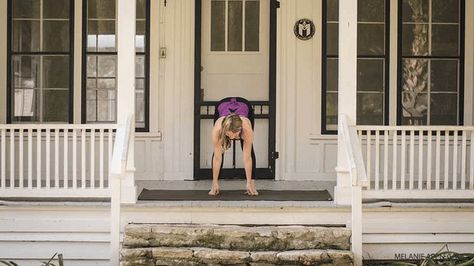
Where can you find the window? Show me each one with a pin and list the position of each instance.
(372, 63)
(40, 61)
(235, 25)
(431, 56)
(100, 56)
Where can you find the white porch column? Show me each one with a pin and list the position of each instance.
(126, 14)
(347, 90)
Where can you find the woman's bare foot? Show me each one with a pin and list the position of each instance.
(251, 188)
(214, 190)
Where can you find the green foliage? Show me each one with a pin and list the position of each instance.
(48, 263)
(444, 257)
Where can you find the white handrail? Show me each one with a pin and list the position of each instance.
(118, 170)
(358, 177)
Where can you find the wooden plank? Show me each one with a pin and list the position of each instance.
(377, 159)
(38, 159)
(403, 161)
(3, 170)
(455, 160)
(420, 159)
(394, 160)
(30, 158)
(437, 161)
(12, 159)
(446, 159)
(463, 159)
(412, 159)
(428, 161)
(20, 159)
(385, 159)
(369, 158)
(48, 158)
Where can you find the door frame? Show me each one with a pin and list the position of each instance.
(199, 173)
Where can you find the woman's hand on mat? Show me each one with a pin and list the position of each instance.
(251, 188)
(214, 190)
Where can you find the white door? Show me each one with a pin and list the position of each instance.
(235, 62)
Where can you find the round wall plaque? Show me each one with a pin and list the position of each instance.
(304, 29)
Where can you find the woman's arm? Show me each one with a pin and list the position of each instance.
(247, 149)
(217, 158)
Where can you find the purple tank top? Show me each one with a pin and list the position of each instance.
(233, 107)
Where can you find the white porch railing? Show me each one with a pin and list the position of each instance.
(406, 162)
(61, 160)
(412, 162)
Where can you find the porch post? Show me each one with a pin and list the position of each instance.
(126, 14)
(347, 91)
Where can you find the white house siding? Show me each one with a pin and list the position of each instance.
(166, 152)
(31, 232)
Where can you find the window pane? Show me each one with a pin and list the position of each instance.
(140, 108)
(104, 32)
(332, 74)
(26, 8)
(252, 25)
(370, 74)
(331, 109)
(91, 83)
(106, 83)
(370, 39)
(101, 9)
(370, 108)
(140, 83)
(91, 108)
(415, 39)
(141, 9)
(26, 105)
(445, 11)
(445, 40)
(332, 44)
(371, 10)
(55, 72)
(55, 105)
(106, 65)
(444, 75)
(26, 36)
(26, 71)
(56, 8)
(140, 36)
(414, 108)
(444, 109)
(415, 10)
(332, 10)
(56, 36)
(91, 66)
(106, 105)
(217, 26)
(235, 26)
(140, 66)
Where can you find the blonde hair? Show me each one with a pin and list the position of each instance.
(232, 123)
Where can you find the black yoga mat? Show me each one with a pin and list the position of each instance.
(235, 195)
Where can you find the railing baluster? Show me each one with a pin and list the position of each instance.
(428, 160)
(30, 158)
(437, 161)
(412, 158)
(38, 158)
(420, 159)
(403, 161)
(4, 138)
(385, 159)
(446, 159)
(101, 158)
(92, 157)
(377, 159)
(12, 158)
(455, 159)
(66, 168)
(471, 175)
(463, 159)
(83, 158)
(48, 158)
(20, 159)
(74, 158)
(56, 158)
(369, 159)
(110, 146)
(394, 160)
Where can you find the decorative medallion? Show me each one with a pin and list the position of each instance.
(304, 29)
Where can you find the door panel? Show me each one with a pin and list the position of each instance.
(234, 63)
